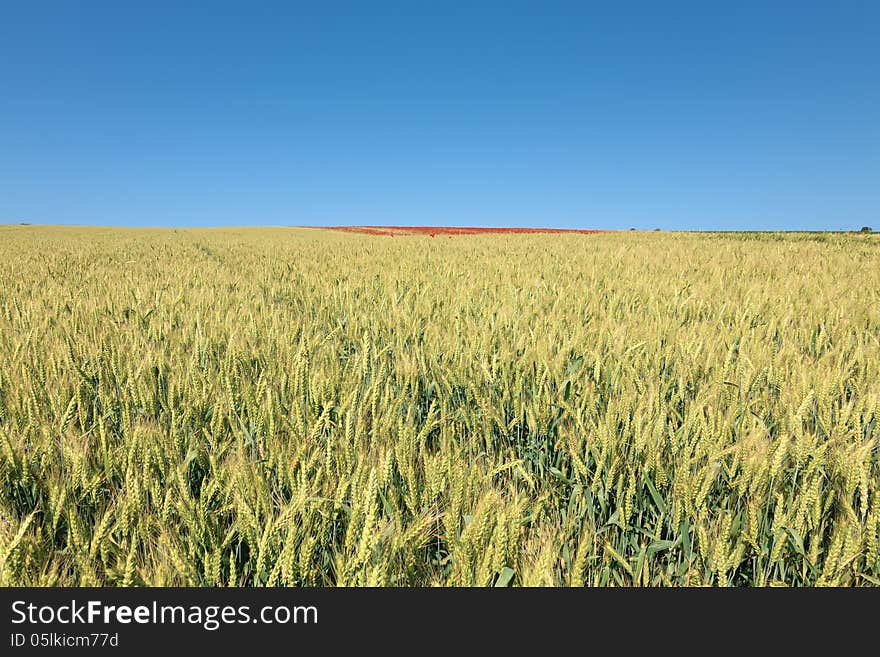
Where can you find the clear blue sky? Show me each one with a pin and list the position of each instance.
(702, 115)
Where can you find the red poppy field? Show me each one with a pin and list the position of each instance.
(433, 231)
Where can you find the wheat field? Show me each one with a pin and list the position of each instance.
(298, 407)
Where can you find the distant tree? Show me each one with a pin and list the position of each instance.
(656, 229)
(866, 229)
(632, 228)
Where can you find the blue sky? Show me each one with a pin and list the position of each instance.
(703, 115)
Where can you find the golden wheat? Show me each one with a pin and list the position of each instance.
(300, 407)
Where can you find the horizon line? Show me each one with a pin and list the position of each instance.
(27, 224)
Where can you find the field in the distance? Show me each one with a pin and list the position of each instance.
(310, 407)
(433, 231)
